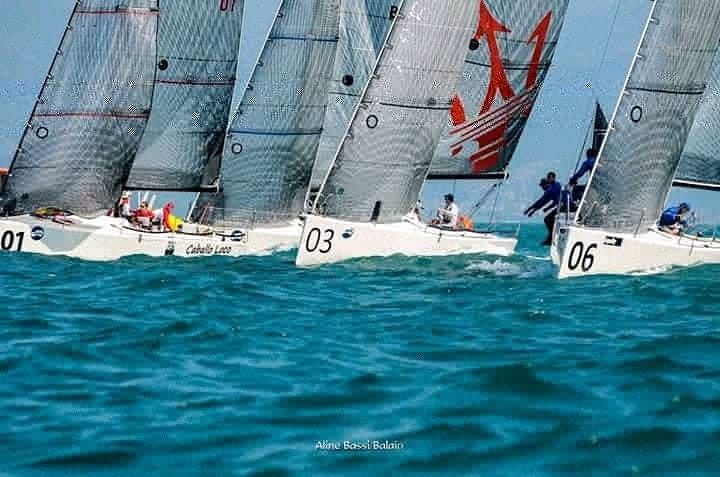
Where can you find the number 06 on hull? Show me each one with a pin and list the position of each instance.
(579, 251)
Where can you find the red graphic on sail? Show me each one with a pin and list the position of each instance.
(489, 129)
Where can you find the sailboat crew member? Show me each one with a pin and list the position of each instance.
(448, 216)
(587, 166)
(125, 205)
(551, 196)
(673, 219)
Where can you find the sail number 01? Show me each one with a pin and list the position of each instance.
(581, 257)
(226, 5)
(318, 240)
(10, 239)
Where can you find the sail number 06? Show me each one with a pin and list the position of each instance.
(10, 239)
(581, 257)
(320, 241)
(226, 5)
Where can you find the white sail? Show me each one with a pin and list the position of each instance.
(198, 46)
(378, 171)
(273, 138)
(700, 162)
(509, 58)
(87, 124)
(364, 25)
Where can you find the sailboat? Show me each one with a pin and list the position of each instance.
(127, 82)
(365, 204)
(499, 62)
(615, 230)
(273, 139)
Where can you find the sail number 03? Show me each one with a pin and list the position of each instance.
(10, 240)
(581, 257)
(318, 240)
(227, 5)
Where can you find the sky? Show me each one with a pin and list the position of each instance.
(552, 140)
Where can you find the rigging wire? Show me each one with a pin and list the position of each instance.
(593, 98)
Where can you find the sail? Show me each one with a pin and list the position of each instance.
(700, 162)
(198, 46)
(86, 126)
(379, 169)
(273, 138)
(652, 120)
(508, 61)
(600, 127)
(364, 25)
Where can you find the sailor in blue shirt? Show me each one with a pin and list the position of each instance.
(673, 220)
(587, 166)
(549, 200)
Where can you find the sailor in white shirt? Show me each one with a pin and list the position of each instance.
(448, 216)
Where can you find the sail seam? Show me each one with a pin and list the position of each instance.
(686, 92)
(411, 106)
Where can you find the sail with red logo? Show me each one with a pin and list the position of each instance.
(507, 62)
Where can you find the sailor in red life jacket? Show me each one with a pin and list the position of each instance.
(143, 215)
(166, 212)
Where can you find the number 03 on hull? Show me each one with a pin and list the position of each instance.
(327, 240)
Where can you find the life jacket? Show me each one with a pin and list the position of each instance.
(146, 212)
(174, 222)
(465, 223)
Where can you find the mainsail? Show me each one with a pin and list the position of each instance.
(198, 46)
(364, 25)
(380, 167)
(509, 58)
(273, 138)
(700, 162)
(91, 112)
(652, 120)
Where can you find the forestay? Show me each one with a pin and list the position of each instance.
(700, 162)
(198, 46)
(364, 25)
(274, 135)
(91, 112)
(651, 123)
(509, 58)
(380, 167)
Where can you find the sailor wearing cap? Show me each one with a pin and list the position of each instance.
(673, 219)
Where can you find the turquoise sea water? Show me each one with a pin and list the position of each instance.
(462, 366)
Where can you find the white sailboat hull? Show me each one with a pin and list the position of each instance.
(108, 238)
(326, 240)
(579, 251)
